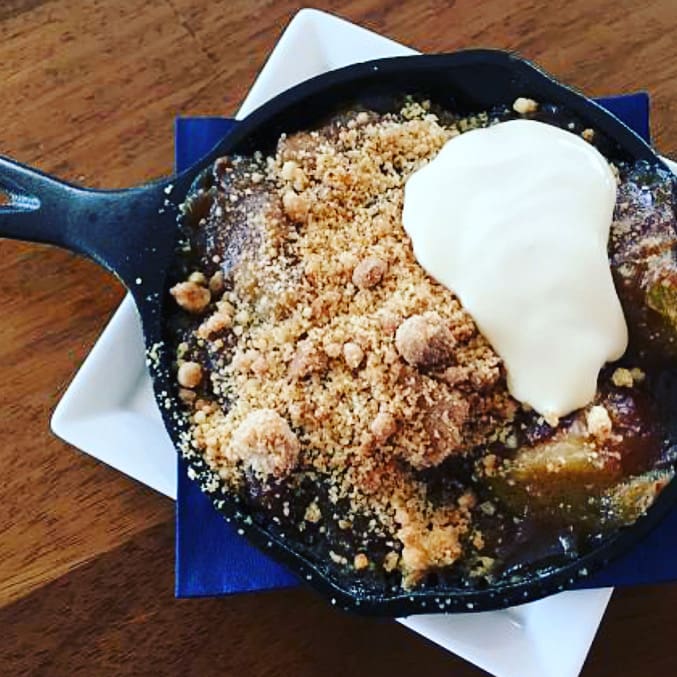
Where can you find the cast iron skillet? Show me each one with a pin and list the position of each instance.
(133, 234)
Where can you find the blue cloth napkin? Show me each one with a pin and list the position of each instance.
(212, 559)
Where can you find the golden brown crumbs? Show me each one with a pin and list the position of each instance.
(266, 444)
(190, 296)
(391, 560)
(588, 134)
(383, 427)
(523, 105)
(198, 278)
(425, 341)
(429, 541)
(338, 559)
(368, 272)
(217, 283)
(313, 513)
(347, 360)
(478, 540)
(295, 206)
(488, 508)
(598, 421)
(333, 349)
(308, 358)
(360, 562)
(490, 463)
(187, 396)
(219, 320)
(189, 374)
(622, 378)
(353, 354)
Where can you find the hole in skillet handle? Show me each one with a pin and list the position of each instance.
(470, 81)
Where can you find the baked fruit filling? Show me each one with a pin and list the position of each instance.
(349, 400)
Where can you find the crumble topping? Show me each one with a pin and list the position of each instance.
(368, 272)
(191, 296)
(189, 374)
(425, 341)
(523, 105)
(598, 421)
(361, 561)
(265, 443)
(348, 359)
(323, 353)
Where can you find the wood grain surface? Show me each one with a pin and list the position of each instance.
(89, 91)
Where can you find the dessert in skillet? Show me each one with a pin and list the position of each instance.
(334, 374)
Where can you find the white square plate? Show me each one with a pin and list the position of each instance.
(109, 410)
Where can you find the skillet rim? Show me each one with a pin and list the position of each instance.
(320, 577)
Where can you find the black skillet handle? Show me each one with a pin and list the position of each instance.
(129, 232)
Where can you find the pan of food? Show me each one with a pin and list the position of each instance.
(411, 325)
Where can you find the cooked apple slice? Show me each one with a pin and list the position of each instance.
(643, 255)
(628, 500)
(556, 477)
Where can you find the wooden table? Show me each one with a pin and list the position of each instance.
(90, 90)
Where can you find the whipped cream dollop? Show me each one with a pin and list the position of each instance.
(514, 219)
